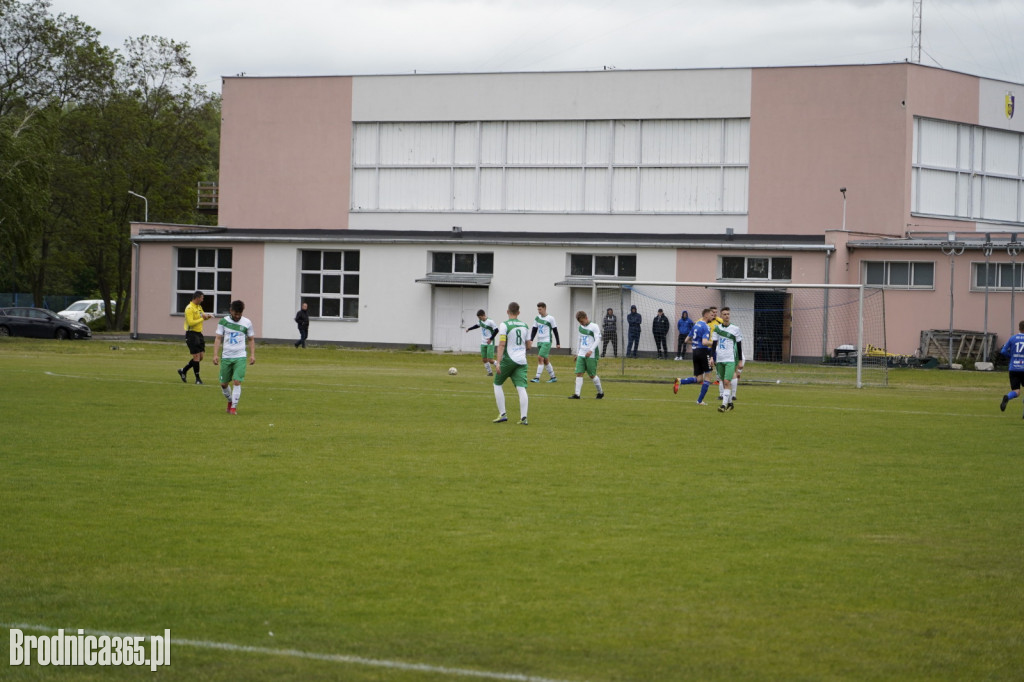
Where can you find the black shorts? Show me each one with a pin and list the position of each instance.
(1016, 380)
(195, 342)
(701, 361)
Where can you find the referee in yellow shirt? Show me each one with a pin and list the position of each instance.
(194, 318)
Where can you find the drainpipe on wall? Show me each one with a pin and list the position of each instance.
(135, 293)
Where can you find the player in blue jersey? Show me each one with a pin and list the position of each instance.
(1014, 349)
(702, 360)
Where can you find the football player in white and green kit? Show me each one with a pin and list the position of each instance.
(543, 327)
(232, 334)
(513, 342)
(587, 354)
(727, 347)
(488, 329)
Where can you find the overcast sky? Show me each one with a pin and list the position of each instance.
(353, 37)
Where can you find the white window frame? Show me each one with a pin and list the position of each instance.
(888, 264)
(346, 300)
(217, 298)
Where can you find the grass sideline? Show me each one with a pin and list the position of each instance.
(362, 504)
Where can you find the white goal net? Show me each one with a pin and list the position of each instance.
(792, 333)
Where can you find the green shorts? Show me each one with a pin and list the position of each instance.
(510, 369)
(544, 349)
(487, 351)
(726, 370)
(585, 364)
(232, 369)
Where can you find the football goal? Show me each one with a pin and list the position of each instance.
(792, 333)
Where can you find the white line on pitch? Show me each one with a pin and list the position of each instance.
(309, 655)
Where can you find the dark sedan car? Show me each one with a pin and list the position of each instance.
(40, 323)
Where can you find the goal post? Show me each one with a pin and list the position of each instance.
(793, 333)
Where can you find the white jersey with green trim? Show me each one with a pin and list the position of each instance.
(727, 337)
(488, 328)
(590, 339)
(544, 325)
(235, 335)
(514, 334)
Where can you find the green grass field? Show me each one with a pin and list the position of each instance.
(361, 518)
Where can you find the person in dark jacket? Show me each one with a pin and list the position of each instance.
(660, 328)
(685, 325)
(302, 320)
(634, 321)
(610, 331)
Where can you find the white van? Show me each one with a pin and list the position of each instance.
(84, 311)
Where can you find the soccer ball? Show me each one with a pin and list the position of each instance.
(453, 371)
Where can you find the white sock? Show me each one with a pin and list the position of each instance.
(499, 397)
(226, 391)
(579, 385)
(236, 393)
(726, 396)
(540, 368)
(524, 401)
(551, 370)
(597, 383)
(735, 383)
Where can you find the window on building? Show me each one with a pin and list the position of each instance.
(1001, 276)
(329, 283)
(967, 171)
(688, 166)
(900, 274)
(757, 267)
(205, 270)
(445, 262)
(603, 265)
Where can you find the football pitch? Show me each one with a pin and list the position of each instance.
(362, 519)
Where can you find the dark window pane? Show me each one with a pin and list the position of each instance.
(205, 281)
(352, 308)
(757, 268)
(186, 258)
(207, 258)
(351, 285)
(627, 266)
(899, 274)
(186, 279)
(332, 260)
(442, 262)
(310, 283)
(604, 265)
(332, 284)
(224, 281)
(924, 274)
(310, 260)
(979, 271)
(464, 262)
(732, 267)
(331, 307)
(874, 273)
(581, 265)
(183, 301)
(314, 305)
(485, 263)
(352, 261)
(782, 268)
(223, 258)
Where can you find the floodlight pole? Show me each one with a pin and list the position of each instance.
(146, 201)
(951, 248)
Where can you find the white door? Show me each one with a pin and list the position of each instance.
(454, 312)
(741, 311)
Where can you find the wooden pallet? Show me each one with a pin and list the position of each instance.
(967, 345)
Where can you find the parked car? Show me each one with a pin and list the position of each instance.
(40, 323)
(85, 311)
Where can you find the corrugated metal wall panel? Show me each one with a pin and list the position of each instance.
(1000, 197)
(419, 188)
(549, 143)
(597, 196)
(625, 198)
(627, 142)
(599, 141)
(415, 143)
(364, 144)
(492, 143)
(543, 189)
(688, 190)
(737, 142)
(936, 192)
(492, 189)
(736, 182)
(464, 189)
(1002, 152)
(467, 136)
(364, 189)
(938, 144)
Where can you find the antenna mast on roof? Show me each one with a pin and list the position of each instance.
(915, 38)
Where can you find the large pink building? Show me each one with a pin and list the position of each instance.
(396, 206)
